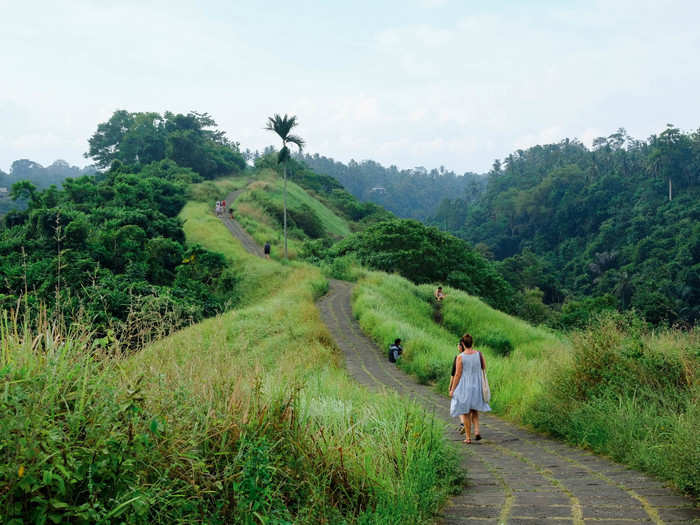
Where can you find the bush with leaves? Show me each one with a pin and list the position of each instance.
(106, 244)
(424, 254)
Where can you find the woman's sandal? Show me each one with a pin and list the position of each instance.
(477, 437)
(468, 441)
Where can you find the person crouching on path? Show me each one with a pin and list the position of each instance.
(395, 351)
(439, 294)
(466, 391)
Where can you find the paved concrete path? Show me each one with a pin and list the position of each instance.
(514, 476)
(237, 230)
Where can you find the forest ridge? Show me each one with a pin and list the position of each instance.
(575, 229)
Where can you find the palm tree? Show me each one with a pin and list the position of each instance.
(282, 126)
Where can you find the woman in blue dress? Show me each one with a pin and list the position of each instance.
(466, 388)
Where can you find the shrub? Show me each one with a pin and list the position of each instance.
(631, 394)
(307, 220)
(498, 342)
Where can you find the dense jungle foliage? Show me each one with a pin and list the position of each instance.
(616, 226)
(109, 249)
(414, 193)
(191, 140)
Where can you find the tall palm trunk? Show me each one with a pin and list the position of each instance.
(282, 126)
(285, 209)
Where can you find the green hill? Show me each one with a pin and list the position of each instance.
(246, 413)
(615, 387)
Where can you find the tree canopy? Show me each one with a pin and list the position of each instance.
(110, 251)
(581, 224)
(414, 193)
(190, 140)
(424, 254)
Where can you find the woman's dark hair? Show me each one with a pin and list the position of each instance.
(397, 341)
(466, 341)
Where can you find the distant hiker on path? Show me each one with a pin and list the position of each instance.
(439, 294)
(395, 351)
(266, 249)
(466, 390)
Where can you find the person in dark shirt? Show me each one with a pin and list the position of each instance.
(452, 378)
(395, 351)
(266, 249)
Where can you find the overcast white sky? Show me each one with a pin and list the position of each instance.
(405, 82)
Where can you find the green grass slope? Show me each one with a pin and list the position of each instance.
(259, 210)
(389, 306)
(616, 387)
(246, 417)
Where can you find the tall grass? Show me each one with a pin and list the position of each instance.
(244, 418)
(632, 394)
(390, 306)
(615, 387)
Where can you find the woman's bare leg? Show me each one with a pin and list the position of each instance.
(466, 421)
(475, 418)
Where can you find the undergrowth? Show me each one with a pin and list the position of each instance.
(632, 394)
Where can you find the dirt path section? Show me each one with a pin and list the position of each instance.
(237, 230)
(514, 476)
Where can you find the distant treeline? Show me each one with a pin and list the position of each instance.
(414, 193)
(615, 226)
(574, 230)
(42, 177)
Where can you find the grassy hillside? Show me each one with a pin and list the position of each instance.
(243, 416)
(389, 306)
(614, 387)
(259, 210)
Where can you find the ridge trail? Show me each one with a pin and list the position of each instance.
(514, 476)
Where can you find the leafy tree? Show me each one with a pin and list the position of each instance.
(425, 254)
(23, 190)
(409, 193)
(138, 139)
